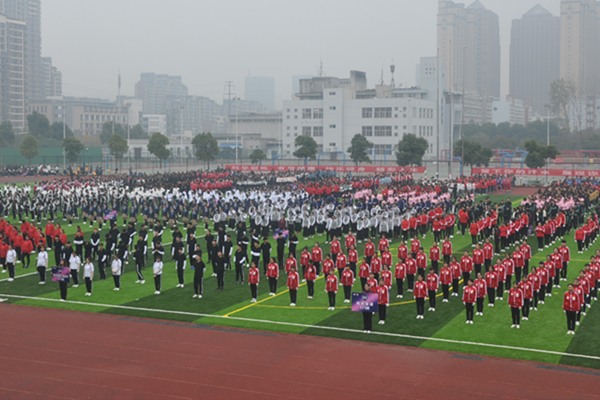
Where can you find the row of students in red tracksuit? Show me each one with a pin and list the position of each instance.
(581, 292)
(382, 287)
(523, 294)
(586, 234)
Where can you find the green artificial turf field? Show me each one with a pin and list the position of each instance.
(542, 338)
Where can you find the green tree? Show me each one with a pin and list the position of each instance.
(474, 153)
(38, 124)
(29, 147)
(118, 146)
(307, 148)
(538, 154)
(157, 145)
(137, 132)
(206, 147)
(358, 149)
(7, 134)
(257, 155)
(72, 148)
(56, 131)
(107, 131)
(411, 150)
(561, 93)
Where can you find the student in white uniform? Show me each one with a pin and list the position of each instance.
(42, 264)
(116, 271)
(88, 275)
(158, 268)
(74, 264)
(11, 258)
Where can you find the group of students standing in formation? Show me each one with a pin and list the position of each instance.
(290, 212)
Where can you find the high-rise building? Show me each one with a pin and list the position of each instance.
(534, 56)
(29, 12)
(12, 72)
(578, 44)
(51, 78)
(261, 89)
(469, 46)
(482, 50)
(153, 89)
(451, 32)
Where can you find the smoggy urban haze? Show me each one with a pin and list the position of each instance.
(210, 42)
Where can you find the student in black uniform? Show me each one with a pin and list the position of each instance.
(66, 252)
(227, 252)
(239, 261)
(180, 261)
(138, 256)
(57, 250)
(243, 241)
(219, 268)
(293, 243)
(209, 238)
(199, 268)
(158, 251)
(102, 259)
(255, 253)
(265, 248)
(190, 232)
(143, 241)
(95, 242)
(191, 247)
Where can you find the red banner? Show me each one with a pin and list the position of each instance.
(537, 172)
(310, 168)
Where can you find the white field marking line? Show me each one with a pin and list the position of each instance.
(20, 276)
(331, 328)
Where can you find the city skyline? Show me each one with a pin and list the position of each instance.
(264, 50)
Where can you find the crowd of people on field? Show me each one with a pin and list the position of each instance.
(402, 210)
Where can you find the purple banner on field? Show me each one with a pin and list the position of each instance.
(364, 302)
(60, 274)
(111, 215)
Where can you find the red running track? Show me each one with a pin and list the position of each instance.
(48, 353)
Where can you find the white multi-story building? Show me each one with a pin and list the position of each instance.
(81, 114)
(510, 110)
(333, 110)
(153, 123)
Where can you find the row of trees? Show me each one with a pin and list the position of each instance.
(411, 149)
(40, 127)
(205, 145)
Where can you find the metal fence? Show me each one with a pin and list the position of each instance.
(108, 163)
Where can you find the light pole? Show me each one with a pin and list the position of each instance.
(181, 108)
(64, 133)
(128, 105)
(438, 105)
(547, 137)
(236, 131)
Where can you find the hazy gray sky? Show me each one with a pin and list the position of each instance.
(210, 42)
